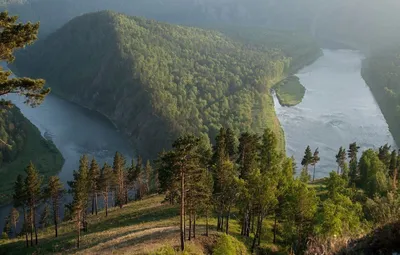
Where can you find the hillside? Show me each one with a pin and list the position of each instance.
(24, 143)
(155, 80)
(141, 227)
(381, 71)
(362, 24)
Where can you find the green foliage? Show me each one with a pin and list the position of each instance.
(15, 36)
(298, 211)
(183, 79)
(228, 245)
(290, 92)
(372, 173)
(381, 71)
(340, 217)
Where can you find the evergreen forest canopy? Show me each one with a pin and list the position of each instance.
(381, 71)
(168, 79)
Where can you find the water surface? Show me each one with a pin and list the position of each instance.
(338, 108)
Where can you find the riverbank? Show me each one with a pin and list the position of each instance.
(330, 115)
(43, 153)
(290, 91)
(381, 72)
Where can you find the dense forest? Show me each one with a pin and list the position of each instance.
(381, 71)
(20, 143)
(243, 185)
(12, 135)
(168, 79)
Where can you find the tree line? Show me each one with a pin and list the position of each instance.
(92, 188)
(248, 176)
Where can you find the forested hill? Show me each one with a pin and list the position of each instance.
(155, 80)
(381, 71)
(21, 143)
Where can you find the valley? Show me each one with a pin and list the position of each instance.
(275, 122)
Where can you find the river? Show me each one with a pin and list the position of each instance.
(75, 131)
(338, 108)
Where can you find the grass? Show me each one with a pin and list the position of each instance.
(290, 92)
(141, 227)
(43, 153)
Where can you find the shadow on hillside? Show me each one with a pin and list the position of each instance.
(67, 241)
(156, 235)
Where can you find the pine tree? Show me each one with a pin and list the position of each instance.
(33, 184)
(385, 155)
(341, 159)
(80, 193)
(178, 166)
(14, 216)
(55, 191)
(248, 161)
(393, 169)
(20, 200)
(119, 172)
(315, 160)
(106, 182)
(94, 175)
(307, 159)
(44, 217)
(231, 143)
(139, 178)
(15, 36)
(352, 155)
(148, 171)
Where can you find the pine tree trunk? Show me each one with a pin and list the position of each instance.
(222, 223)
(92, 203)
(227, 221)
(55, 219)
(194, 226)
(190, 226)
(249, 216)
(34, 225)
(106, 203)
(275, 226)
(395, 179)
(78, 223)
(95, 201)
(256, 236)
(260, 231)
(207, 223)
(24, 227)
(182, 210)
(31, 223)
(252, 226)
(313, 177)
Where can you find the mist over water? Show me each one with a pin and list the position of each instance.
(338, 109)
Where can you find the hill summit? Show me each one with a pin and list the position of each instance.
(155, 80)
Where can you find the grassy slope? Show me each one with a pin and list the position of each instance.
(290, 91)
(139, 228)
(41, 152)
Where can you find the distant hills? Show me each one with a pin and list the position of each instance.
(155, 80)
(353, 23)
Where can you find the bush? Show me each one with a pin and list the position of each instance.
(190, 249)
(228, 245)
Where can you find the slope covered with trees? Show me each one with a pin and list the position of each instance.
(242, 188)
(381, 71)
(155, 80)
